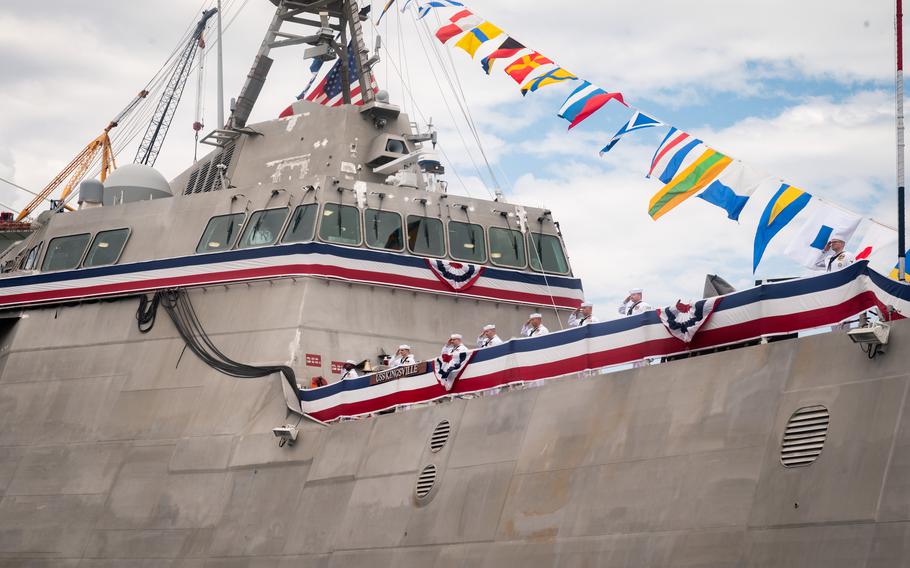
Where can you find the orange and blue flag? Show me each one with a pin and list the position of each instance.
(552, 76)
(780, 211)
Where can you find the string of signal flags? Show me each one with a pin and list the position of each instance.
(684, 164)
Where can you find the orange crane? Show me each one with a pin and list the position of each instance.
(77, 168)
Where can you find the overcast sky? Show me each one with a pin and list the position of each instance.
(802, 90)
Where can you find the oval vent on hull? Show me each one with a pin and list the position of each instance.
(425, 481)
(804, 436)
(440, 436)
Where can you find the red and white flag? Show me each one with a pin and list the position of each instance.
(879, 247)
(461, 22)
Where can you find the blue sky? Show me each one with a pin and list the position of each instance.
(803, 91)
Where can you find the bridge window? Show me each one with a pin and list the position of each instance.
(383, 229)
(466, 242)
(30, 262)
(425, 236)
(340, 224)
(106, 248)
(546, 251)
(220, 233)
(263, 228)
(64, 253)
(507, 248)
(303, 224)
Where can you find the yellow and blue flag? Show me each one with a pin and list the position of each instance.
(688, 182)
(895, 274)
(472, 40)
(557, 75)
(783, 208)
(385, 9)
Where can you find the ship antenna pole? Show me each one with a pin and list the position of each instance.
(899, 91)
(220, 71)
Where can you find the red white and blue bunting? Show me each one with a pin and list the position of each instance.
(303, 259)
(771, 309)
(684, 320)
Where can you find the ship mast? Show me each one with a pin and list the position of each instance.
(341, 17)
(899, 101)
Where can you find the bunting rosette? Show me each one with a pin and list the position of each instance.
(684, 320)
(459, 276)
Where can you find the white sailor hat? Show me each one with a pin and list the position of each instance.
(400, 347)
(488, 327)
(350, 362)
(635, 291)
(587, 305)
(837, 236)
(534, 315)
(456, 336)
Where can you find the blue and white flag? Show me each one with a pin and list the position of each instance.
(733, 188)
(638, 121)
(426, 8)
(824, 222)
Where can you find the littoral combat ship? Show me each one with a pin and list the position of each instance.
(159, 342)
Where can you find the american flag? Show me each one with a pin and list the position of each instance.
(330, 91)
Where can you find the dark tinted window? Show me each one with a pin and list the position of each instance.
(220, 233)
(303, 224)
(65, 252)
(547, 251)
(383, 229)
(106, 247)
(263, 228)
(507, 247)
(340, 224)
(30, 262)
(466, 242)
(425, 236)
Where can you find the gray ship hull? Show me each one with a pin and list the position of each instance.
(119, 449)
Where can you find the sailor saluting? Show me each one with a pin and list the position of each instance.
(350, 370)
(633, 304)
(833, 257)
(453, 346)
(402, 357)
(583, 315)
(488, 337)
(534, 326)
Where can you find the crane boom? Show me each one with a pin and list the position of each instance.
(157, 129)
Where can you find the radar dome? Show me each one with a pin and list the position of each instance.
(135, 182)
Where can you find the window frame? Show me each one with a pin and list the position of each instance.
(129, 233)
(279, 234)
(445, 240)
(322, 215)
(39, 250)
(561, 247)
(231, 245)
(401, 227)
(287, 225)
(524, 243)
(81, 257)
(483, 235)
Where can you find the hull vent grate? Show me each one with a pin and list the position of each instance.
(425, 481)
(206, 178)
(440, 436)
(804, 436)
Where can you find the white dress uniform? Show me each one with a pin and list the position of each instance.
(399, 361)
(351, 374)
(577, 319)
(452, 350)
(634, 308)
(484, 341)
(833, 261)
(528, 331)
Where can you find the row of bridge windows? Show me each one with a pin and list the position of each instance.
(379, 229)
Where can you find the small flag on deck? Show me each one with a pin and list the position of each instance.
(688, 182)
(508, 48)
(639, 121)
(472, 40)
(585, 101)
(779, 212)
(557, 75)
(461, 22)
(330, 91)
(522, 67)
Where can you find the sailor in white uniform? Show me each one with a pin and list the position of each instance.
(633, 304)
(488, 338)
(402, 357)
(833, 257)
(534, 327)
(350, 370)
(454, 345)
(583, 315)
